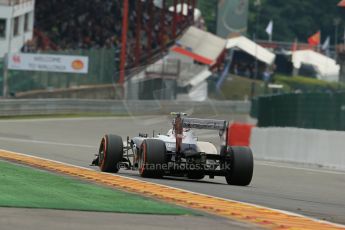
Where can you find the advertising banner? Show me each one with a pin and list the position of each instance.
(48, 63)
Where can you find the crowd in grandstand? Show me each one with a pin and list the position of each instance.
(62, 24)
(74, 25)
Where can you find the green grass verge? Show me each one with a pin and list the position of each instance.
(25, 187)
(239, 88)
(307, 84)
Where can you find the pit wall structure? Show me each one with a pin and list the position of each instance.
(320, 148)
(311, 147)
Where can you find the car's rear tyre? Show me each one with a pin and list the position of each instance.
(238, 165)
(152, 158)
(110, 153)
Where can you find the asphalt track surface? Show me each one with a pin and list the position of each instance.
(36, 219)
(312, 192)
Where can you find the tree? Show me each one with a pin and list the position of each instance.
(295, 18)
(209, 12)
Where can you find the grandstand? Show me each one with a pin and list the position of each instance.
(120, 37)
(144, 28)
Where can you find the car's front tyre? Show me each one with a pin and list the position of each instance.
(110, 153)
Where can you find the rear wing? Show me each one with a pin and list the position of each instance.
(211, 124)
(181, 122)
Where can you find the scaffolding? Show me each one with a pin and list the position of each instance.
(180, 20)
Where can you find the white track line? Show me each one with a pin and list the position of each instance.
(240, 202)
(257, 162)
(34, 120)
(45, 142)
(284, 165)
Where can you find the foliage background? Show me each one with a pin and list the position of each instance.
(293, 19)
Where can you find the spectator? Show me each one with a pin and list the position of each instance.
(74, 25)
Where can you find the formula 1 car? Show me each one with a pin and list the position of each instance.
(178, 153)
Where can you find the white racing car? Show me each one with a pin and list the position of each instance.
(178, 153)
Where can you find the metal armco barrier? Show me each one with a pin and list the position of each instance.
(24, 107)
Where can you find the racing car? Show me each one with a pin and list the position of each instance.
(178, 153)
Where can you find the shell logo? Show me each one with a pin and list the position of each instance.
(77, 65)
(16, 59)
